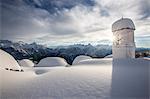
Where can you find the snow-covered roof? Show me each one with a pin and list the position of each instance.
(52, 62)
(8, 61)
(80, 58)
(26, 63)
(123, 23)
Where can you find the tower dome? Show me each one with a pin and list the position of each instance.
(123, 23)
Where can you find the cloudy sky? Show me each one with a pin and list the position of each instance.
(64, 22)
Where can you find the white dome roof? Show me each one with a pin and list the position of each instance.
(124, 23)
(26, 63)
(7, 61)
(80, 58)
(52, 62)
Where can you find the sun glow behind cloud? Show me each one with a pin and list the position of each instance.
(62, 22)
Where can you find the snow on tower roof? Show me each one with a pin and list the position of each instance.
(80, 58)
(8, 62)
(52, 62)
(123, 23)
(26, 63)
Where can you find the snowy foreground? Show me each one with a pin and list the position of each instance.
(91, 79)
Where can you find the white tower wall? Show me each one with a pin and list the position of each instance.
(123, 44)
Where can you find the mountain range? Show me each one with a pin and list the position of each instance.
(21, 50)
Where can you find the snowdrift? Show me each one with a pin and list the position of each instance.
(52, 62)
(80, 58)
(109, 56)
(96, 61)
(8, 62)
(26, 63)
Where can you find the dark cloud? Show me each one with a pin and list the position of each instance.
(17, 22)
(21, 18)
(66, 20)
(12, 2)
(145, 9)
(53, 6)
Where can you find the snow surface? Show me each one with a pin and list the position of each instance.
(95, 61)
(52, 62)
(26, 63)
(7, 61)
(126, 79)
(109, 56)
(123, 23)
(130, 78)
(80, 58)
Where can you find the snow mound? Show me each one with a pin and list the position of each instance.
(147, 58)
(109, 56)
(52, 62)
(8, 62)
(102, 61)
(80, 58)
(26, 63)
(124, 23)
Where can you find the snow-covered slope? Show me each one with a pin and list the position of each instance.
(96, 79)
(95, 61)
(63, 83)
(7, 61)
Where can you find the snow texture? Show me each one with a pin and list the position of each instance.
(95, 61)
(130, 79)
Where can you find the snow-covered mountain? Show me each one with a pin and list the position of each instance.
(21, 50)
(36, 52)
